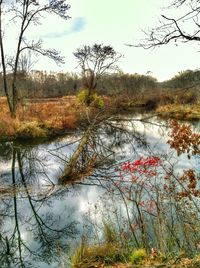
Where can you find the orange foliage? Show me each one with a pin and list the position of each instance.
(191, 180)
(183, 139)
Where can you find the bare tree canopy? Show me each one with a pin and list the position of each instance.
(95, 61)
(97, 58)
(183, 28)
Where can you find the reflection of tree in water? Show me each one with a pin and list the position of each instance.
(5, 151)
(30, 212)
(145, 210)
(47, 232)
(121, 133)
(99, 146)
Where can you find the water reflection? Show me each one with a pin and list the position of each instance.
(41, 220)
(30, 231)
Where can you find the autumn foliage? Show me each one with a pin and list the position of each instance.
(183, 139)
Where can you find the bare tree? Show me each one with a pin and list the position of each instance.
(95, 61)
(174, 29)
(26, 62)
(26, 13)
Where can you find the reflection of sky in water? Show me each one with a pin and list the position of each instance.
(5, 167)
(62, 206)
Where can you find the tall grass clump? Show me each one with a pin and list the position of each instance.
(108, 252)
(30, 130)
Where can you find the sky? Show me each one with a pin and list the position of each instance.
(114, 23)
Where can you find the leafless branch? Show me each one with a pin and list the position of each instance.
(174, 29)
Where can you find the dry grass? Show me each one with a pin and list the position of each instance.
(180, 111)
(96, 256)
(116, 265)
(40, 117)
(182, 263)
(112, 256)
(57, 115)
(50, 116)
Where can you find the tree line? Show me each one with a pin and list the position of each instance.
(40, 84)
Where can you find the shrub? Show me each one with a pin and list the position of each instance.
(95, 99)
(187, 98)
(82, 96)
(138, 256)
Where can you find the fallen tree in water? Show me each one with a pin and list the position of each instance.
(93, 151)
(86, 152)
(69, 170)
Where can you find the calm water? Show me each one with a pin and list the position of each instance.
(40, 220)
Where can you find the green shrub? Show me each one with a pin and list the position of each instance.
(138, 256)
(82, 96)
(30, 130)
(95, 99)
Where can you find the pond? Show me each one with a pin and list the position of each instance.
(42, 220)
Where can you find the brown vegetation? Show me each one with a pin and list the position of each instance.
(47, 117)
(38, 119)
(50, 116)
(179, 111)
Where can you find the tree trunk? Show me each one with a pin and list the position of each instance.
(70, 167)
(89, 97)
(14, 99)
(5, 85)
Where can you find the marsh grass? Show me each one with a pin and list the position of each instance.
(108, 252)
(38, 119)
(180, 111)
(30, 130)
(88, 255)
(46, 117)
(111, 255)
(55, 116)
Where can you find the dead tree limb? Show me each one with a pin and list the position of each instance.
(69, 170)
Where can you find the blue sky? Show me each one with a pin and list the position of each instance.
(114, 23)
(76, 25)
